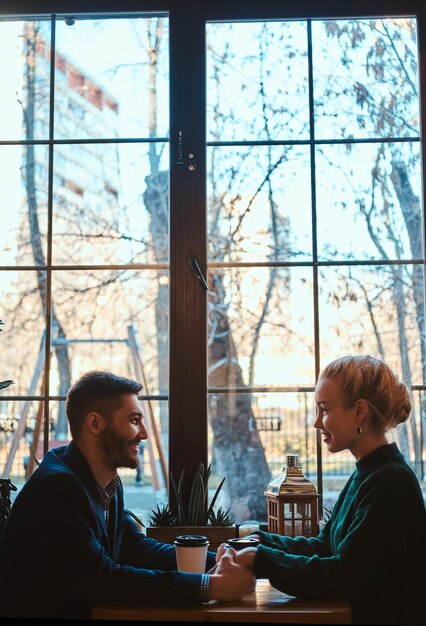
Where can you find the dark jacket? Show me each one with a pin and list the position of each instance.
(57, 557)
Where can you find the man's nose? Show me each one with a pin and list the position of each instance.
(143, 431)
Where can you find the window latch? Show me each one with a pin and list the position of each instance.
(198, 273)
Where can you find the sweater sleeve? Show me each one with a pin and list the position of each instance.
(307, 546)
(311, 577)
(138, 550)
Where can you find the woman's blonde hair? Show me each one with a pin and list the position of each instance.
(368, 378)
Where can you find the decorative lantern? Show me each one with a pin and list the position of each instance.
(292, 502)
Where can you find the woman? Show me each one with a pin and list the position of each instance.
(372, 550)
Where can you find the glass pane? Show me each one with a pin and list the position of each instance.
(411, 438)
(262, 429)
(144, 487)
(25, 80)
(337, 467)
(376, 310)
(19, 422)
(110, 205)
(140, 496)
(369, 201)
(366, 78)
(260, 327)
(245, 100)
(259, 205)
(23, 331)
(23, 210)
(110, 320)
(107, 72)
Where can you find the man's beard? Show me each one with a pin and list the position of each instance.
(116, 449)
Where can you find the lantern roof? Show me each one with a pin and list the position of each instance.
(291, 480)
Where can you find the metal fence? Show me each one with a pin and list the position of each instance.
(282, 430)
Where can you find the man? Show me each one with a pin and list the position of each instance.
(68, 542)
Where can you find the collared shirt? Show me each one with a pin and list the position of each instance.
(107, 494)
(204, 588)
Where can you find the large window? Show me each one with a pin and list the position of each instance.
(85, 220)
(315, 237)
(216, 202)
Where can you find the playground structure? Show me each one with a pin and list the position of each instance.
(158, 470)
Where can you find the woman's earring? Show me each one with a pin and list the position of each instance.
(359, 430)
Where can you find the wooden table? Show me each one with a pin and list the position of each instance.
(266, 604)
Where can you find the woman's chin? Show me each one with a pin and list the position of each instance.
(330, 445)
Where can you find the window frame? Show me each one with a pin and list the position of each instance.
(188, 302)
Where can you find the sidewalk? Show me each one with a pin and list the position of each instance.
(141, 500)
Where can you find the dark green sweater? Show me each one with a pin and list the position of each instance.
(372, 552)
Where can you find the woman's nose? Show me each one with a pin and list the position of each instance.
(318, 422)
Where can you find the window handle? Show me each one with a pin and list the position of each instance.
(198, 273)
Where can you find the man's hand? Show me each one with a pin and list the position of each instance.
(228, 580)
(221, 551)
(245, 557)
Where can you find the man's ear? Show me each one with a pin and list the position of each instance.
(95, 422)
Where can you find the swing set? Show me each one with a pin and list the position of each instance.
(159, 474)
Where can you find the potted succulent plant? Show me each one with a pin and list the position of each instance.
(198, 518)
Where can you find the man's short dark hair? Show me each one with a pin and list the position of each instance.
(96, 391)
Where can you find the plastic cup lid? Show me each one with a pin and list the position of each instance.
(238, 543)
(191, 540)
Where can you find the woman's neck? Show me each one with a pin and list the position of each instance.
(367, 443)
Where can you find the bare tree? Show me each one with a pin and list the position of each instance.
(386, 103)
(58, 332)
(156, 199)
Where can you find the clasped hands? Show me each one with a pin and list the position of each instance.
(232, 576)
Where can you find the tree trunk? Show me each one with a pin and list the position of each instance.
(156, 199)
(399, 300)
(410, 207)
(58, 332)
(238, 450)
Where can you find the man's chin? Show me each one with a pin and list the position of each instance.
(130, 462)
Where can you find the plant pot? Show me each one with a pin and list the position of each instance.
(215, 534)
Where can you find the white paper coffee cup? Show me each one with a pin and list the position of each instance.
(191, 553)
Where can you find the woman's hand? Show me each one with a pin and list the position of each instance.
(246, 557)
